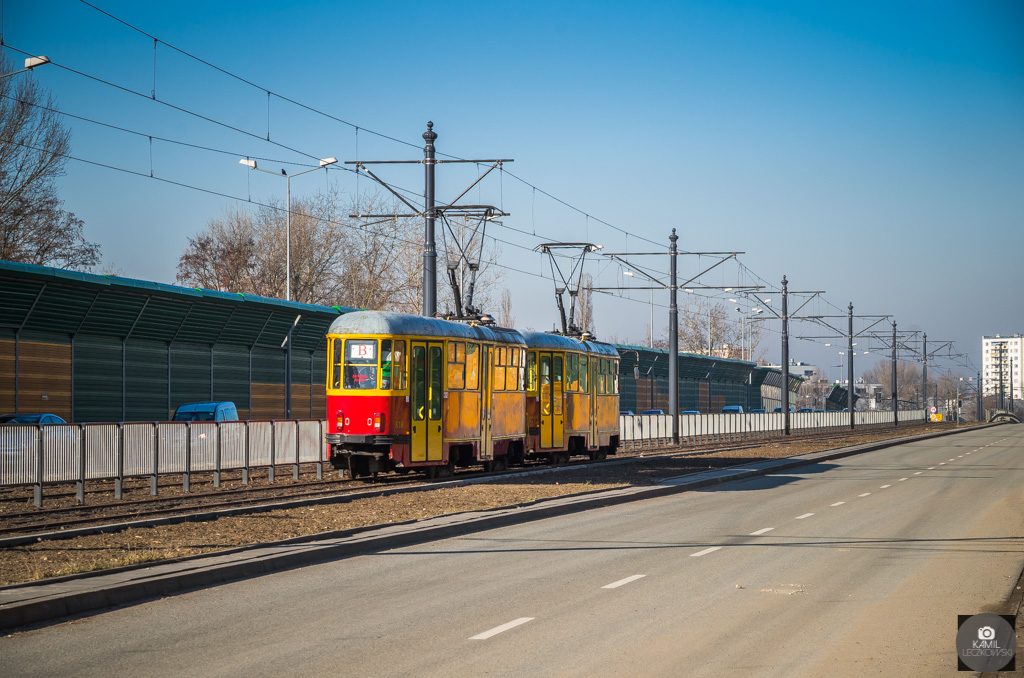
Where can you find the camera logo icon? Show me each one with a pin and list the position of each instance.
(986, 633)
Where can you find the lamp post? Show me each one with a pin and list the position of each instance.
(30, 63)
(251, 164)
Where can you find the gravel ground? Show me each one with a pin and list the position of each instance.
(46, 559)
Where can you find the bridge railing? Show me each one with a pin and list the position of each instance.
(655, 430)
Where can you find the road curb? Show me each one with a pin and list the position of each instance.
(38, 602)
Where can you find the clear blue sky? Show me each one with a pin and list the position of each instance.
(872, 150)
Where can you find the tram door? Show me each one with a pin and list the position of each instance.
(486, 407)
(550, 400)
(425, 395)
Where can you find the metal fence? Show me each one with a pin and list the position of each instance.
(36, 455)
(31, 454)
(655, 430)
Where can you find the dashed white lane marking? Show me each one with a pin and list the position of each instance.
(951, 460)
(959, 456)
(501, 629)
(902, 479)
(942, 463)
(806, 515)
(884, 486)
(838, 503)
(698, 554)
(864, 495)
(762, 531)
(917, 473)
(931, 468)
(623, 582)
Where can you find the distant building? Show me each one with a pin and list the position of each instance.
(1003, 356)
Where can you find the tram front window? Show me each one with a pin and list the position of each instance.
(360, 364)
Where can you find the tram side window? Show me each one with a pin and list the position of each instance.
(614, 366)
(512, 381)
(472, 366)
(531, 372)
(360, 364)
(572, 372)
(600, 376)
(522, 369)
(556, 369)
(456, 365)
(584, 374)
(499, 368)
(392, 365)
(337, 362)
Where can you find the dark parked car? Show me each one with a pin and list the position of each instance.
(732, 409)
(222, 411)
(31, 419)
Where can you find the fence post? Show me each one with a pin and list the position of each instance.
(216, 458)
(80, 490)
(273, 444)
(320, 450)
(186, 477)
(245, 451)
(119, 480)
(154, 445)
(37, 490)
(295, 471)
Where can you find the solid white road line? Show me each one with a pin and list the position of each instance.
(864, 495)
(806, 515)
(838, 503)
(622, 582)
(500, 629)
(698, 554)
(762, 531)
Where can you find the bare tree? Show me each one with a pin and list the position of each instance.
(585, 304)
(505, 317)
(34, 146)
(222, 257)
(908, 378)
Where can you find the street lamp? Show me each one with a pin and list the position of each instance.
(251, 164)
(30, 63)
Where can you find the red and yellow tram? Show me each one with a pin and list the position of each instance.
(572, 403)
(407, 392)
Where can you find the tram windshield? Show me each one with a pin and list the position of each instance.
(360, 369)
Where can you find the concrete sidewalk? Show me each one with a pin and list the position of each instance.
(53, 599)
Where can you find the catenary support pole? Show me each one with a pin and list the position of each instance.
(673, 342)
(429, 250)
(895, 399)
(849, 374)
(785, 356)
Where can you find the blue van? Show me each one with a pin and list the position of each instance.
(222, 411)
(732, 409)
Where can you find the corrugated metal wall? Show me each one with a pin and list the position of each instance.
(146, 392)
(97, 379)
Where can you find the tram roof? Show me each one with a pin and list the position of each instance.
(564, 343)
(390, 323)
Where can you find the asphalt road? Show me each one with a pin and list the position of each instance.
(850, 568)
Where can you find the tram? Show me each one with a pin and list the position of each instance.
(406, 392)
(572, 397)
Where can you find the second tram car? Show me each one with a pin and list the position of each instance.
(572, 404)
(407, 392)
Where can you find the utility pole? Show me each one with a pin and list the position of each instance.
(924, 371)
(429, 248)
(895, 398)
(981, 400)
(850, 387)
(673, 340)
(785, 356)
